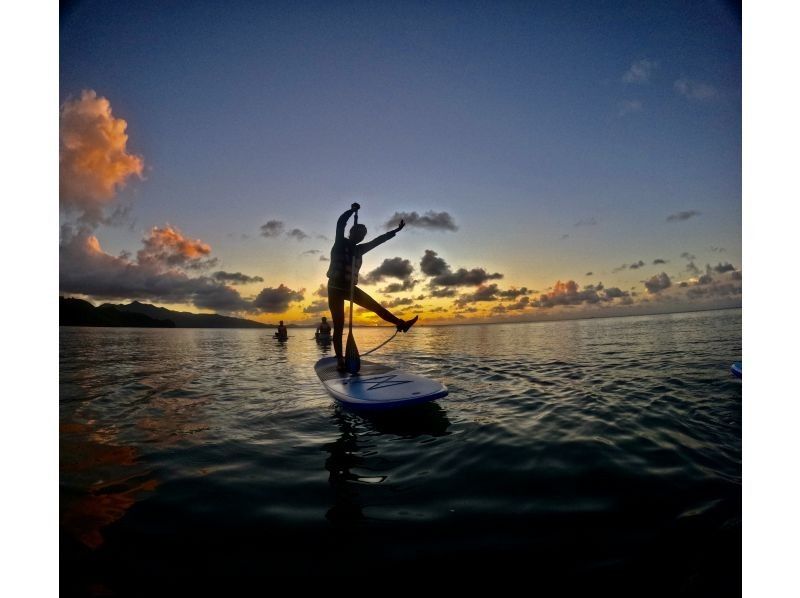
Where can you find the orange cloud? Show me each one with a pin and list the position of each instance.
(169, 247)
(93, 159)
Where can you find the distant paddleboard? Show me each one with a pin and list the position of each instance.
(377, 386)
(736, 369)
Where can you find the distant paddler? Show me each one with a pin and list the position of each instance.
(282, 334)
(323, 332)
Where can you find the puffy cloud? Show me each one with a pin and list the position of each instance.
(395, 267)
(84, 268)
(431, 220)
(681, 216)
(235, 277)
(721, 268)
(322, 291)
(615, 293)
(657, 283)
(399, 301)
(521, 304)
(640, 71)
(297, 234)
(398, 287)
(276, 300)
(167, 246)
(636, 265)
(714, 290)
(512, 293)
(695, 90)
(566, 293)
(94, 163)
(432, 265)
(482, 293)
(273, 228)
(316, 307)
(443, 293)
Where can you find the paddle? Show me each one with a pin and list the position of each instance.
(352, 360)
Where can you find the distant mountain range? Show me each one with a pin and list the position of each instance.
(77, 312)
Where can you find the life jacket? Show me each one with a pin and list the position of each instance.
(341, 267)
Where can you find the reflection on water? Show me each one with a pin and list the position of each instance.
(349, 462)
(600, 450)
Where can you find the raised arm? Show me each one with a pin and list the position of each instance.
(365, 247)
(342, 222)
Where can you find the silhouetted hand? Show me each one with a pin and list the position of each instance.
(355, 207)
(402, 224)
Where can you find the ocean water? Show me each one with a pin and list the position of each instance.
(600, 453)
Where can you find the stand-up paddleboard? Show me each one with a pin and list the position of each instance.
(377, 386)
(736, 369)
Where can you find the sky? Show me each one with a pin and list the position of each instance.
(551, 160)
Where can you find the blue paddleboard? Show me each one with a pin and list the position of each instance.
(736, 369)
(377, 386)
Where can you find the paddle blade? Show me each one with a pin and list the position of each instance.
(352, 360)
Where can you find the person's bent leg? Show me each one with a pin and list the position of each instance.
(336, 299)
(367, 302)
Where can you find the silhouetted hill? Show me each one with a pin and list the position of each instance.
(185, 319)
(77, 312)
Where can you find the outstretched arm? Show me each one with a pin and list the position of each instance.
(365, 247)
(342, 222)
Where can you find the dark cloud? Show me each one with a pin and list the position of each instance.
(587, 222)
(395, 267)
(714, 290)
(464, 278)
(316, 307)
(323, 258)
(399, 301)
(688, 256)
(721, 268)
(659, 261)
(636, 265)
(565, 294)
(432, 265)
(692, 268)
(521, 304)
(273, 228)
(398, 287)
(615, 293)
(235, 277)
(311, 252)
(705, 279)
(681, 216)
(322, 291)
(589, 274)
(276, 300)
(85, 269)
(512, 293)
(482, 293)
(717, 249)
(657, 283)
(443, 293)
(431, 220)
(297, 234)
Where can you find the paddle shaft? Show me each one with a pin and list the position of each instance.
(353, 281)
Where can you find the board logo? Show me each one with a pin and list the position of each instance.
(377, 382)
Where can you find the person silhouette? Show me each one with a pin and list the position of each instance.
(282, 333)
(346, 255)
